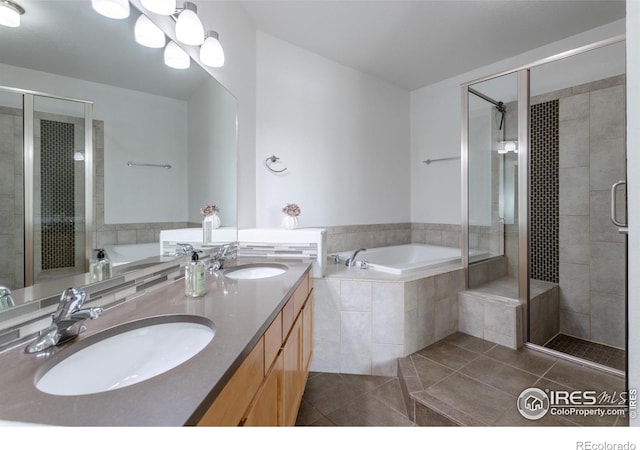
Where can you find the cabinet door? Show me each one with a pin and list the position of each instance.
(292, 380)
(266, 410)
(307, 334)
(229, 407)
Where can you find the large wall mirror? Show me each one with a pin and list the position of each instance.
(177, 127)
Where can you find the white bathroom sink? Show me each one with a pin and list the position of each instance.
(125, 355)
(255, 271)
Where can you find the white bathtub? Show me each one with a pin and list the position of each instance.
(402, 259)
(126, 253)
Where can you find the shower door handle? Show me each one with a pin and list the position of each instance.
(614, 208)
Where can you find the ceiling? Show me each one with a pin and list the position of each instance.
(410, 44)
(415, 43)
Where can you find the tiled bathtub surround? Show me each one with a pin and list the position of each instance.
(364, 320)
(350, 237)
(444, 234)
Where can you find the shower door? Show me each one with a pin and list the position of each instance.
(46, 193)
(56, 209)
(577, 255)
(492, 233)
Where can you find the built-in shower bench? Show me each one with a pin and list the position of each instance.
(493, 312)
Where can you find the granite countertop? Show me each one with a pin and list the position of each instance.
(241, 310)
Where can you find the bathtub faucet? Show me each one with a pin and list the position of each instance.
(351, 261)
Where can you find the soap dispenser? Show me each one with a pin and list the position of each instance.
(194, 277)
(100, 267)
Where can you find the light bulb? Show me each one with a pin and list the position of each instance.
(10, 13)
(189, 29)
(211, 52)
(162, 7)
(175, 57)
(114, 9)
(148, 34)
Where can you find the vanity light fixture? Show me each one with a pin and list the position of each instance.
(10, 13)
(189, 29)
(114, 9)
(175, 57)
(148, 33)
(211, 52)
(161, 7)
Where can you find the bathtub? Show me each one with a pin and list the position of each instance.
(126, 253)
(403, 259)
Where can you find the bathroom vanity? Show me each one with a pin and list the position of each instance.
(252, 372)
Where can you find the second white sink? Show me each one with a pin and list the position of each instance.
(255, 271)
(126, 355)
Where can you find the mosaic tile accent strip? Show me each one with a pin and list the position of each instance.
(545, 192)
(280, 250)
(57, 188)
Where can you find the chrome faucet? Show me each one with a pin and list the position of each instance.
(185, 249)
(68, 321)
(352, 260)
(6, 300)
(219, 258)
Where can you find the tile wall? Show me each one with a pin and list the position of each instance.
(592, 252)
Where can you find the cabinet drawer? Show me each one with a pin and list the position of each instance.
(229, 407)
(300, 295)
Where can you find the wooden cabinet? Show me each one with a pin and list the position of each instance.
(266, 410)
(267, 388)
(231, 404)
(307, 333)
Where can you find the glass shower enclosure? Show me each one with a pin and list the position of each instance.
(46, 194)
(543, 151)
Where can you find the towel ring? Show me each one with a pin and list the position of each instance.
(272, 159)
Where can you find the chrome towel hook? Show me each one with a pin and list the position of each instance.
(270, 160)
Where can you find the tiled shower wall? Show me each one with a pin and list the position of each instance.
(57, 186)
(545, 149)
(11, 199)
(592, 252)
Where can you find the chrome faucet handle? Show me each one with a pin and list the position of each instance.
(222, 251)
(68, 321)
(71, 300)
(187, 249)
(6, 300)
(351, 260)
(364, 264)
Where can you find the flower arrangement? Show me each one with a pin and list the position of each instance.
(209, 210)
(291, 210)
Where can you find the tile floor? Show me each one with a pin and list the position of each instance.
(461, 380)
(333, 399)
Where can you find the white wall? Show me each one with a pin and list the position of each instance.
(342, 134)
(633, 190)
(133, 124)
(435, 129)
